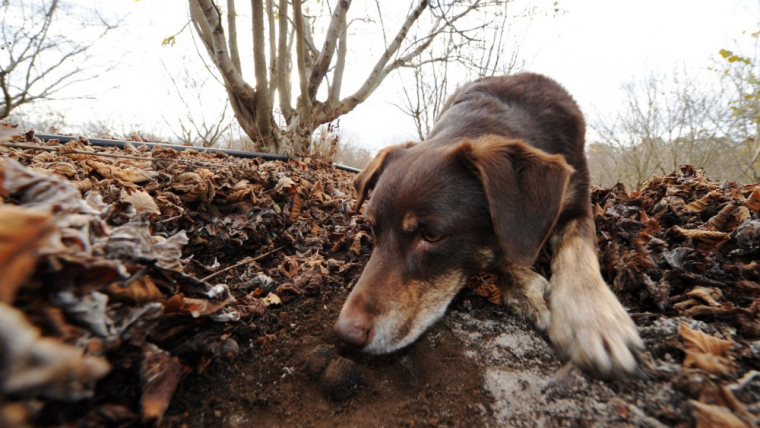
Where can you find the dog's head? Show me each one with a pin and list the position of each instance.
(440, 213)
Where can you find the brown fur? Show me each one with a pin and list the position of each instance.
(502, 171)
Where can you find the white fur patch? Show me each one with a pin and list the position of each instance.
(430, 307)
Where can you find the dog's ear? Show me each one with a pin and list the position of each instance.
(366, 180)
(524, 187)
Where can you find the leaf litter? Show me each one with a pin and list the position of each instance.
(172, 288)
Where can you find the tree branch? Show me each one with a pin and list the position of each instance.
(207, 15)
(380, 70)
(331, 38)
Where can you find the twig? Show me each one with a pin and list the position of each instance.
(110, 155)
(244, 262)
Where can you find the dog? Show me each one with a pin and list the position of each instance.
(502, 173)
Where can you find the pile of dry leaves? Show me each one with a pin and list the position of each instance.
(122, 269)
(687, 247)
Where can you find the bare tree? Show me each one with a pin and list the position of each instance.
(490, 46)
(741, 75)
(666, 121)
(319, 65)
(196, 127)
(40, 54)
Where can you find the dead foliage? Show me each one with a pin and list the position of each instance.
(124, 271)
(687, 248)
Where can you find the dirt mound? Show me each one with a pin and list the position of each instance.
(155, 287)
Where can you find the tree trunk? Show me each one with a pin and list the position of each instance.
(272, 53)
(301, 127)
(283, 63)
(263, 113)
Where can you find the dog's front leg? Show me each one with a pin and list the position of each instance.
(589, 325)
(524, 290)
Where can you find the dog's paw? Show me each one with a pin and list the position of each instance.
(526, 297)
(593, 331)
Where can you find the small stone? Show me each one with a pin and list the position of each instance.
(342, 379)
(230, 348)
(318, 359)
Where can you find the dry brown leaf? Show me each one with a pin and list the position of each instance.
(700, 204)
(710, 416)
(706, 294)
(707, 310)
(285, 183)
(8, 131)
(356, 244)
(706, 352)
(704, 239)
(297, 206)
(490, 291)
(753, 200)
(719, 220)
(191, 186)
(21, 232)
(35, 364)
(598, 210)
(130, 175)
(748, 288)
(66, 169)
(141, 200)
(159, 374)
(197, 307)
(271, 299)
(733, 403)
(141, 290)
(82, 185)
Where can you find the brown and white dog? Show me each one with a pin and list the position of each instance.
(502, 173)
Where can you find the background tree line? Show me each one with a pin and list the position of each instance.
(672, 119)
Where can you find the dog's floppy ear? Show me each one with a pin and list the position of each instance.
(366, 180)
(524, 187)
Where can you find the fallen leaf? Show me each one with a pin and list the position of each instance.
(141, 200)
(272, 299)
(285, 183)
(21, 233)
(704, 239)
(719, 220)
(159, 375)
(8, 131)
(490, 291)
(710, 416)
(753, 201)
(47, 366)
(191, 186)
(130, 175)
(297, 206)
(141, 290)
(705, 352)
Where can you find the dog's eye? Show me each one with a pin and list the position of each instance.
(431, 236)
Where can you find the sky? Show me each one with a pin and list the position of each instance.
(591, 47)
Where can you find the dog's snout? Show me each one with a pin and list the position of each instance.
(354, 330)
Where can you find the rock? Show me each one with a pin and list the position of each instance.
(342, 379)
(318, 359)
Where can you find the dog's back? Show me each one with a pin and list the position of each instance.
(525, 106)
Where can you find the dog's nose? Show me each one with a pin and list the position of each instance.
(352, 330)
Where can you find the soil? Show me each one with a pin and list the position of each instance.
(480, 366)
(432, 383)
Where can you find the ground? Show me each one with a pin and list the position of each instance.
(181, 289)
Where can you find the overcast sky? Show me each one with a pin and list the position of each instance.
(591, 48)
